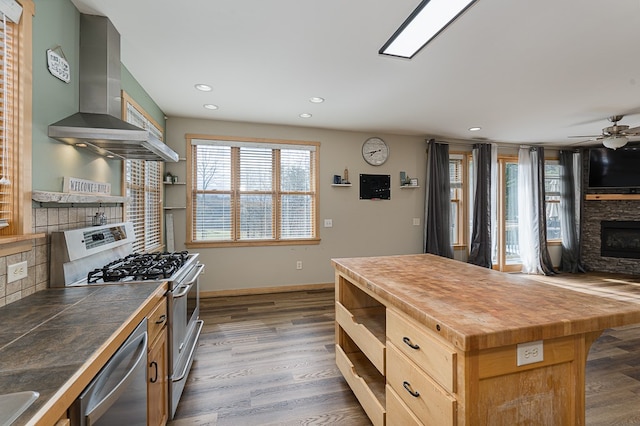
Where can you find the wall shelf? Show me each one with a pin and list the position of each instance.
(342, 184)
(66, 198)
(409, 186)
(174, 208)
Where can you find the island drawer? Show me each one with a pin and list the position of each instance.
(426, 399)
(397, 411)
(157, 319)
(366, 327)
(436, 359)
(365, 381)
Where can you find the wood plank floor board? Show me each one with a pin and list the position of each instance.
(270, 360)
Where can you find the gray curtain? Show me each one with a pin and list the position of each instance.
(570, 184)
(438, 202)
(480, 249)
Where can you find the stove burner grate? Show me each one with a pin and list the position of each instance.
(139, 267)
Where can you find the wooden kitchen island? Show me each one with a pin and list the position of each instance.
(425, 340)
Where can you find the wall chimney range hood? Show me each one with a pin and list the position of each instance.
(98, 124)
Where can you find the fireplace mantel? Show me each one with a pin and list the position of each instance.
(606, 197)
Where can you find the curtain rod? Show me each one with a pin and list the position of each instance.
(499, 144)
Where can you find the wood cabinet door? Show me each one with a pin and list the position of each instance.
(158, 381)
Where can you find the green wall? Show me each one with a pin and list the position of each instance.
(57, 23)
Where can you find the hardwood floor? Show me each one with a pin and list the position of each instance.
(269, 360)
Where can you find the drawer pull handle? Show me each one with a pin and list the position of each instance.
(407, 342)
(161, 319)
(154, 364)
(413, 393)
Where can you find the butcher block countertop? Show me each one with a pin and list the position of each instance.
(476, 308)
(55, 341)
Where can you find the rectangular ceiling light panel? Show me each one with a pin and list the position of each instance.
(424, 24)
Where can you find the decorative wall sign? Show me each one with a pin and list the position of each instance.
(82, 186)
(58, 65)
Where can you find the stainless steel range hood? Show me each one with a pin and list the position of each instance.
(98, 124)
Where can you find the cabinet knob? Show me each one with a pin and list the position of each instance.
(408, 342)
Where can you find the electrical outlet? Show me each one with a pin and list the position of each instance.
(299, 264)
(530, 352)
(17, 271)
(328, 223)
(416, 221)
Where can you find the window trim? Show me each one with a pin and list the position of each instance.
(462, 202)
(190, 243)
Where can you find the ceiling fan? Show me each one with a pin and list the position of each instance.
(615, 136)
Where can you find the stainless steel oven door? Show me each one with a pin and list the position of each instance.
(184, 306)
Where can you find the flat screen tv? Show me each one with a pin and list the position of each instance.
(375, 187)
(618, 168)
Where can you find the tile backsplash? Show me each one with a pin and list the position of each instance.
(46, 220)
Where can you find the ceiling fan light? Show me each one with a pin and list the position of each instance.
(615, 142)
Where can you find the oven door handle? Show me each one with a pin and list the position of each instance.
(185, 370)
(187, 286)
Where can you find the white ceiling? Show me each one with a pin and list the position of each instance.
(525, 71)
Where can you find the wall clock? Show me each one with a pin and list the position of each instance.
(375, 151)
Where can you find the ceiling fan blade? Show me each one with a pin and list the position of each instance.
(585, 136)
(631, 131)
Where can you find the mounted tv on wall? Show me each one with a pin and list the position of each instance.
(619, 168)
(375, 187)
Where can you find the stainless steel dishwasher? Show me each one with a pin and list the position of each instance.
(118, 394)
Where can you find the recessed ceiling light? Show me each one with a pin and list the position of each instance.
(110, 156)
(316, 100)
(81, 145)
(305, 115)
(210, 106)
(474, 129)
(203, 87)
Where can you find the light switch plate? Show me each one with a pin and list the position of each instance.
(328, 223)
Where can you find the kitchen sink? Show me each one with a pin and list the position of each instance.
(14, 404)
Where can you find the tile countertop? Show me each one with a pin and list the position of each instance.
(477, 308)
(55, 341)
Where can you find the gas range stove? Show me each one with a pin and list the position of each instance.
(104, 255)
(140, 267)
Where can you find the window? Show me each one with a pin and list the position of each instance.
(552, 198)
(15, 121)
(508, 240)
(143, 185)
(250, 192)
(508, 246)
(457, 185)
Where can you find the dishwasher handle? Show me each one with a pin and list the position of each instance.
(140, 345)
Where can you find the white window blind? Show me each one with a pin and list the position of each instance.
(252, 192)
(7, 90)
(143, 182)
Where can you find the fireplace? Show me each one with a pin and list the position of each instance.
(620, 239)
